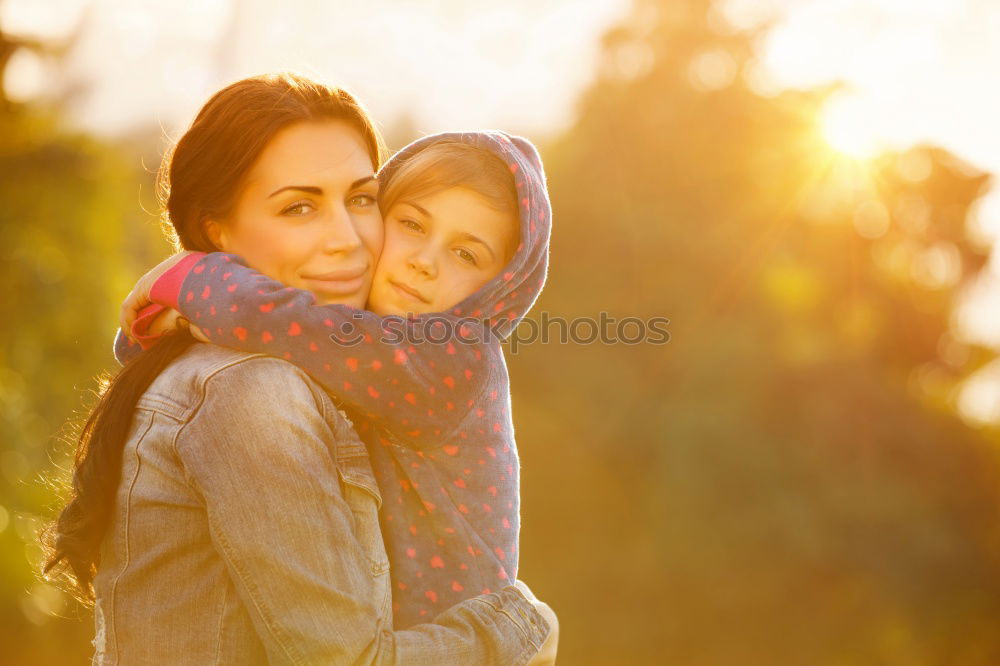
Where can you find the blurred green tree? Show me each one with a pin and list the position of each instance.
(73, 236)
(786, 481)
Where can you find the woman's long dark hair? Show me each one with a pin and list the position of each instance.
(199, 179)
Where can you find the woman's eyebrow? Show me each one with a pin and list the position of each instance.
(312, 189)
(361, 181)
(299, 188)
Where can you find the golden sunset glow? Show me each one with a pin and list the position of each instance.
(807, 192)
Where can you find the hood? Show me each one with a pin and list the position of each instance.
(505, 299)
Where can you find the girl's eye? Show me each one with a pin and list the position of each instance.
(362, 200)
(466, 256)
(411, 224)
(297, 208)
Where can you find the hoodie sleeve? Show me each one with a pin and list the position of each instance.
(125, 349)
(385, 367)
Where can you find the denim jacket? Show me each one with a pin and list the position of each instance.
(246, 532)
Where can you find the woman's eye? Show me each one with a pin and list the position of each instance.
(466, 256)
(410, 224)
(297, 208)
(362, 200)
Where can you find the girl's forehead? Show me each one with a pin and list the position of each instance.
(450, 202)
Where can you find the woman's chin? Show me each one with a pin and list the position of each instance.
(333, 299)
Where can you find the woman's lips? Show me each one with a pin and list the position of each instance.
(340, 282)
(408, 292)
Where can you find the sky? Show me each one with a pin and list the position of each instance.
(916, 71)
(444, 63)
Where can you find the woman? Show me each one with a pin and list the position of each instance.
(233, 518)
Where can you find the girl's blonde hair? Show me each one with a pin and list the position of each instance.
(448, 164)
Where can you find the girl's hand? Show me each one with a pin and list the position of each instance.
(547, 655)
(138, 298)
(171, 319)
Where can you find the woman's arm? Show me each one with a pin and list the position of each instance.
(416, 375)
(263, 433)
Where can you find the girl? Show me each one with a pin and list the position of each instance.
(465, 256)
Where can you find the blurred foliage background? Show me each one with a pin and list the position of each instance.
(787, 481)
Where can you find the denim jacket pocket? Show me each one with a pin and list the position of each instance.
(365, 511)
(364, 508)
(361, 494)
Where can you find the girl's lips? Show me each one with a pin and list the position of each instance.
(340, 282)
(408, 291)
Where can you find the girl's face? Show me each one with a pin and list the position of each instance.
(438, 250)
(307, 215)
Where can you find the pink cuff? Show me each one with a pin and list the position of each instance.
(141, 324)
(167, 288)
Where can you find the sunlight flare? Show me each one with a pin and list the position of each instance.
(848, 128)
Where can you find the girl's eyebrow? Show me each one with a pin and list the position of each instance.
(423, 211)
(312, 189)
(464, 235)
(476, 239)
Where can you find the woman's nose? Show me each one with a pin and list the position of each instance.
(339, 234)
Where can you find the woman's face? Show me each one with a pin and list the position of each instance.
(307, 215)
(439, 249)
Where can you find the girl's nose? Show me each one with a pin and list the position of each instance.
(421, 262)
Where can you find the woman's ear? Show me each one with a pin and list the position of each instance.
(216, 233)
